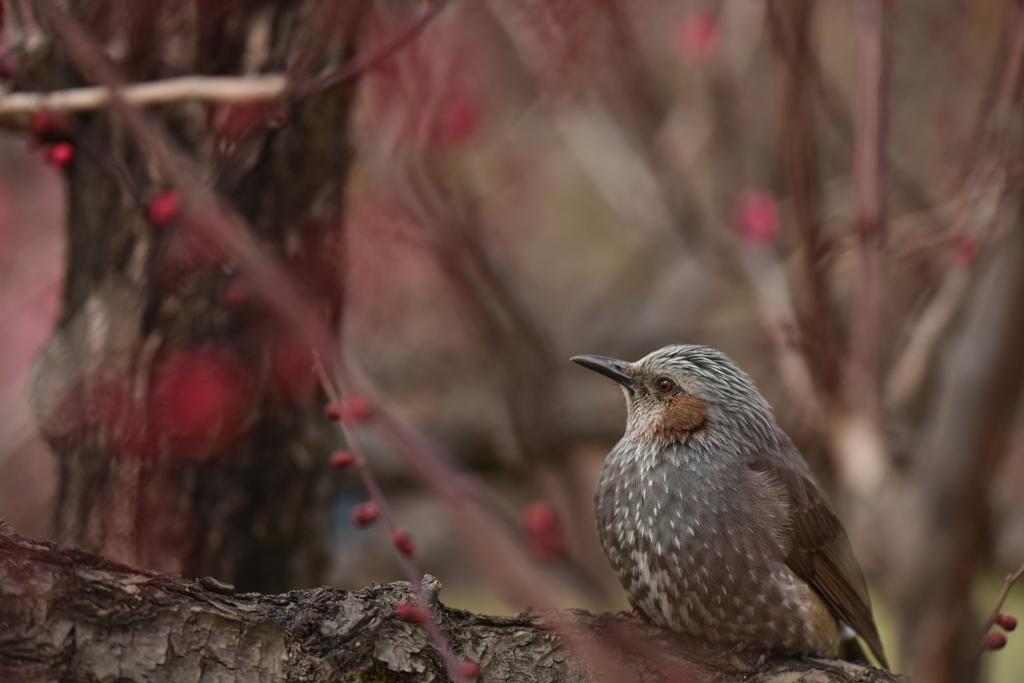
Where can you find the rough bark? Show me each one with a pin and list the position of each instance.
(70, 616)
(242, 496)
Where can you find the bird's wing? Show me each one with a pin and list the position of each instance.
(820, 552)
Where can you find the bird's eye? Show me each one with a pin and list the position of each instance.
(666, 385)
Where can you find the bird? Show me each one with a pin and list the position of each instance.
(713, 521)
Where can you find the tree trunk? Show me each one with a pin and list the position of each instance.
(189, 429)
(70, 616)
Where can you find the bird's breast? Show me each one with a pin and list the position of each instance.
(679, 530)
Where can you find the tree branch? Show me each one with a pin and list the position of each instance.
(1007, 585)
(166, 91)
(72, 616)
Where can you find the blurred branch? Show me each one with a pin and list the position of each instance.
(620, 171)
(869, 171)
(611, 126)
(858, 446)
(819, 340)
(517, 347)
(969, 429)
(989, 175)
(829, 98)
(1009, 90)
(492, 536)
(402, 37)
(910, 367)
(476, 508)
(518, 350)
(775, 304)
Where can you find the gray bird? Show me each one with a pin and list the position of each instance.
(713, 521)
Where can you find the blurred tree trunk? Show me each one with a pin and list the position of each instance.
(188, 427)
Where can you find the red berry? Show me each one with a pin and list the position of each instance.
(201, 398)
(469, 669)
(403, 541)
(1006, 622)
(459, 118)
(352, 410)
(235, 293)
(965, 249)
(342, 459)
(544, 533)
(757, 218)
(60, 155)
(411, 612)
(355, 409)
(365, 514)
(49, 126)
(993, 641)
(696, 36)
(164, 208)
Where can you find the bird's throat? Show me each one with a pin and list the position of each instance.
(683, 415)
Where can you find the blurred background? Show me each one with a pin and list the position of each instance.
(829, 192)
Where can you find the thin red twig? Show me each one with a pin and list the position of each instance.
(1007, 585)
(387, 520)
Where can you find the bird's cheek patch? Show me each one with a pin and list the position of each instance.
(683, 414)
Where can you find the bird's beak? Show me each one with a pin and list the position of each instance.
(618, 370)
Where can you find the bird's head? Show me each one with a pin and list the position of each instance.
(686, 392)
